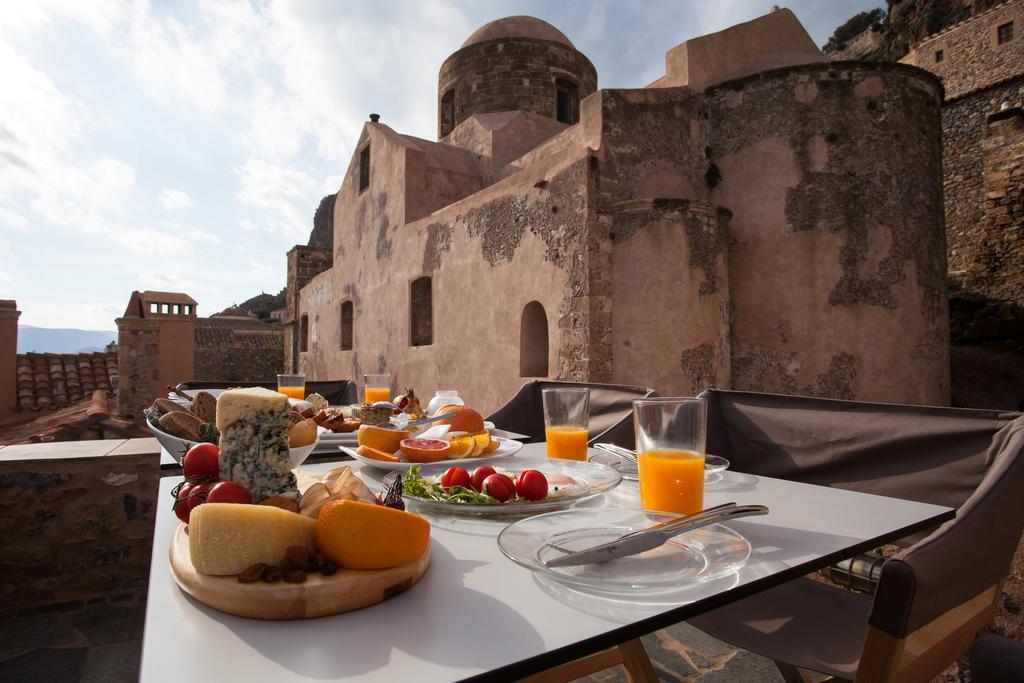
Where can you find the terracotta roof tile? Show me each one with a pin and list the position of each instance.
(90, 418)
(54, 380)
(227, 332)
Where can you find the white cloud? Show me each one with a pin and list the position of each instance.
(174, 199)
(204, 236)
(287, 196)
(12, 219)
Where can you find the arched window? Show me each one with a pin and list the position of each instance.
(421, 313)
(304, 333)
(346, 326)
(567, 101)
(533, 341)
(447, 112)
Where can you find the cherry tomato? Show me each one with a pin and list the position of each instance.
(202, 462)
(228, 492)
(479, 474)
(499, 487)
(456, 476)
(181, 508)
(198, 494)
(532, 485)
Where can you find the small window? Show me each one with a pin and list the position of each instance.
(346, 326)
(154, 308)
(364, 168)
(166, 309)
(533, 341)
(177, 309)
(1004, 33)
(421, 313)
(188, 309)
(447, 112)
(304, 333)
(939, 56)
(567, 101)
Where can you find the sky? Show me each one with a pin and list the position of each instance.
(184, 146)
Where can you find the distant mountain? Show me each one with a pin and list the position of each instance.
(262, 304)
(48, 340)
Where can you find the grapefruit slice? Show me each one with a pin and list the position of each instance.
(424, 450)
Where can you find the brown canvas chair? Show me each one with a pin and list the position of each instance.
(932, 597)
(336, 391)
(611, 410)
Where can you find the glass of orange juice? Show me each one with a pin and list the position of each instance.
(377, 387)
(566, 418)
(670, 442)
(292, 386)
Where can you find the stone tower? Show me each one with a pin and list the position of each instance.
(514, 64)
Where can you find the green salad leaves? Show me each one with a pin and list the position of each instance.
(418, 487)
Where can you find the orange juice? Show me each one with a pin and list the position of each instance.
(568, 443)
(374, 394)
(672, 481)
(293, 392)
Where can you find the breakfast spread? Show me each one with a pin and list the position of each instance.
(251, 520)
(462, 435)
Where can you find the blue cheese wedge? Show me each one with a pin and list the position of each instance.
(253, 426)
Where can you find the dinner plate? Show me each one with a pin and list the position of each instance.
(714, 465)
(506, 447)
(700, 555)
(589, 480)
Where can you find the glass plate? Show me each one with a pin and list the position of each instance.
(594, 480)
(704, 554)
(714, 465)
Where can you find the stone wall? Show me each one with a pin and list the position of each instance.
(77, 520)
(965, 133)
(138, 362)
(239, 364)
(511, 74)
(971, 57)
(304, 263)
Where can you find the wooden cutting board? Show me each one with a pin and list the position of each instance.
(319, 596)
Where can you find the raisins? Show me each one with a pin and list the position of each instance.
(295, 576)
(300, 558)
(272, 575)
(253, 573)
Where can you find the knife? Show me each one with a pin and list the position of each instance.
(655, 536)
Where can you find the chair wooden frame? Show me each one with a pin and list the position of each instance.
(631, 655)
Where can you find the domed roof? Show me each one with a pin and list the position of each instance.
(518, 27)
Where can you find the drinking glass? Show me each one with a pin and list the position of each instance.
(292, 386)
(377, 387)
(566, 422)
(670, 442)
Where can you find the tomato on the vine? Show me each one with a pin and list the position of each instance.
(532, 485)
(202, 462)
(181, 508)
(499, 487)
(479, 474)
(228, 492)
(198, 494)
(456, 476)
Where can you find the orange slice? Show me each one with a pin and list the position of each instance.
(359, 535)
(480, 443)
(460, 447)
(374, 454)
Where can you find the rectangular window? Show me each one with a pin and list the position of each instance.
(154, 308)
(447, 112)
(421, 313)
(177, 309)
(939, 56)
(166, 309)
(567, 101)
(1004, 33)
(364, 168)
(346, 326)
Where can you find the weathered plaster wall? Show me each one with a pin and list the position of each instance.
(837, 268)
(671, 295)
(138, 354)
(488, 257)
(9, 314)
(652, 143)
(511, 74)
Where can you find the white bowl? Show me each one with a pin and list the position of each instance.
(178, 447)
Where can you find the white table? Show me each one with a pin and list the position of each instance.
(475, 614)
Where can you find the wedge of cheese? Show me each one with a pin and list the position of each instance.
(253, 426)
(226, 538)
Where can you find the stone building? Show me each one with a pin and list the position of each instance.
(162, 341)
(757, 218)
(981, 63)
